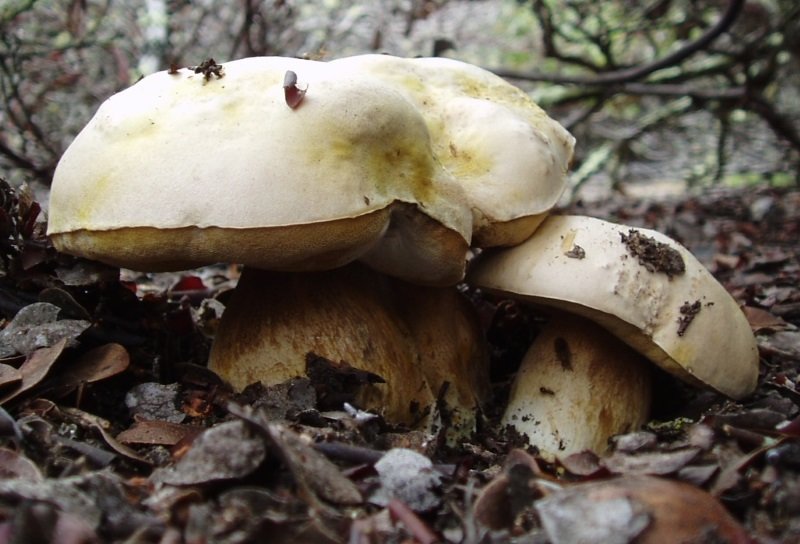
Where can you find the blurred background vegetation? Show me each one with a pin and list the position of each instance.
(687, 93)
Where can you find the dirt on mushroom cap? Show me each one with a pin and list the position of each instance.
(639, 305)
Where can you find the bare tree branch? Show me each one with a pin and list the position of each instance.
(638, 72)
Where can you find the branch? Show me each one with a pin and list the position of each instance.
(638, 72)
(22, 162)
(780, 123)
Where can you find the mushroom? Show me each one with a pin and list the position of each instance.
(301, 167)
(640, 286)
(508, 155)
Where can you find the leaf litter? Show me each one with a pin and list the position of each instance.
(291, 463)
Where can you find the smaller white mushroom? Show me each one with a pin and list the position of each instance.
(639, 285)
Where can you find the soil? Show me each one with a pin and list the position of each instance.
(113, 430)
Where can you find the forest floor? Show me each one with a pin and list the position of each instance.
(113, 430)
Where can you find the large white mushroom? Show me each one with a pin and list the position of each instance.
(639, 285)
(297, 166)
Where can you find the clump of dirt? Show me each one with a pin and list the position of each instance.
(653, 255)
(688, 311)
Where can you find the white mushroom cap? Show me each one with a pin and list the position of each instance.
(684, 321)
(510, 157)
(577, 386)
(181, 170)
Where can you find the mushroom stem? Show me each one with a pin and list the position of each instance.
(576, 387)
(414, 338)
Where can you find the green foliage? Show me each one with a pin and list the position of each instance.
(615, 70)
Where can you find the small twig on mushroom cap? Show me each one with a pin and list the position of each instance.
(292, 93)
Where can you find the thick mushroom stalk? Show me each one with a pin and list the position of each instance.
(640, 285)
(414, 338)
(577, 386)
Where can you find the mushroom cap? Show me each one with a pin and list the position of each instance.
(414, 337)
(181, 170)
(509, 156)
(576, 387)
(684, 321)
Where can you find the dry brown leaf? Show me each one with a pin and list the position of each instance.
(499, 501)
(648, 509)
(37, 326)
(15, 465)
(98, 364)
(316, 477)
(226, 451)
(102, 426)
(311, 469)
(9, 375)
(782, 343)
(762, 320)
(35, 368)
(584, 463)
(161, 433)
(658, 462)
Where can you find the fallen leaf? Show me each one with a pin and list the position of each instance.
(316, 477)
(35, 368)
(313, 470)
(161, 433)
(644, 509)
(15, 465)
(698, 475)
(102, 426)
(783, 343)
(66, 302)
(657, 462)
(491, 506)
(9, 375)
(510, 492)
(224, 452)
(37, 326)
(408, 476)
(761, 320)
(95, 365)
(584, 463)
(634, 441)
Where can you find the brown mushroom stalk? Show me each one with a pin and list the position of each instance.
(414, 338)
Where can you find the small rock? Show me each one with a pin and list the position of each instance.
(409, 477)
